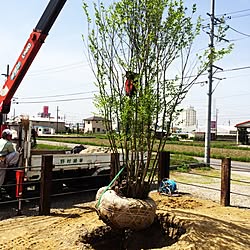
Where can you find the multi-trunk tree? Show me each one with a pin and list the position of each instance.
(132, 47)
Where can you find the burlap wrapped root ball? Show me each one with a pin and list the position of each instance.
(121, 212)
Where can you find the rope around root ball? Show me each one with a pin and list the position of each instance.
(121, 212)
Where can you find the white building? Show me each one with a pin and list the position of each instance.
(48, 125)
(187, 120)
(94, 124)
(41, 130)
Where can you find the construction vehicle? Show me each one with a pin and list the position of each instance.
(65, 164)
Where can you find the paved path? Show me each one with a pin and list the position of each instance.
(239, 167)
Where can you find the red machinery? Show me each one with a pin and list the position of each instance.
(29, 52)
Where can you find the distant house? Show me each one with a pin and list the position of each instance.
(41, 130)
(42, 125)
(94, 124)
(49, 124)
(243, 132)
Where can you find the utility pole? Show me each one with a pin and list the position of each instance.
(216, 120)
(57, 111)
(210, 84)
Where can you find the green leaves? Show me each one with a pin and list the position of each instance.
(146, 37)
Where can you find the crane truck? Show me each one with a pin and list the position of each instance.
(66, 165)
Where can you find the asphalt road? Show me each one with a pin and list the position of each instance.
(236, 166)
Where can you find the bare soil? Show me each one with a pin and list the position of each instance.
(192, 224)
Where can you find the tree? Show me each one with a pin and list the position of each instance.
(132, 47)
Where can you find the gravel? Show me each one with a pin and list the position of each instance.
(239, 197)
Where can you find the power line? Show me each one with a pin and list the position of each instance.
(59, 68)
(234, 12)
(239, 16)
(236, 69)
(52, 96)
(235, 40)
(237, 76)
(239, 32)
(230, 15)
(204, 74)
(62, 100)
(88, 92)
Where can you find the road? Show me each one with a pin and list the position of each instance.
(239, 167)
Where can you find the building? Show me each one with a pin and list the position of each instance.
(43, 126)
(45, 112)
(187, 120)
(243, 133)
(48, 124)
(94, 124)
(42, 130)
(44, 123)
(72, 127)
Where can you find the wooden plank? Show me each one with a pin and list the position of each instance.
(46, 183)
(225, 182)
(164, 165)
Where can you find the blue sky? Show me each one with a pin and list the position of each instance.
(61, 68)
(231, 95)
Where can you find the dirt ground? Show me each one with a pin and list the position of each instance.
(201, 224)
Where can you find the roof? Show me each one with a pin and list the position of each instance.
(37, 119)
(44, 119)
(245, 124)
(94, 118)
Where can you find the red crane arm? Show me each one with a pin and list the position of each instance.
(18, 72)
(28, 54)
